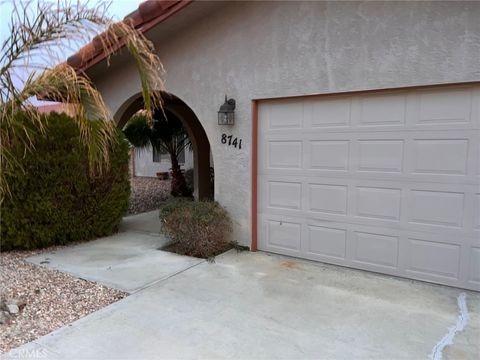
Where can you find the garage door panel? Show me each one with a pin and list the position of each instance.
(284, 154)
(334, 112)
(326, 242)
(375, 249)
(445, 106)
(453, 108)
(281, 235)
(438, 208)
(425, 157)
(400, 205)
(378, 202)
(382, 110)
(283, 115)
(284, 234)
(380, 155)
(370, 248)
(386, 182)
(433, 258)
(468, 181)
(330, 155)
(327, 198)
(440, 156)
(443, 156)
(284, 194)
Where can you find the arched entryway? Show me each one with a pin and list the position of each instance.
(194, 129)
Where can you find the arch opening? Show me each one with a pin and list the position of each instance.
(202, 165)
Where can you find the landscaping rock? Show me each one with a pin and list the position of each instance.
(20, 303)
(54, 299)
(13, 309)
(147, 194)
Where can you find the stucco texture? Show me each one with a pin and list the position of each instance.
(252, 50)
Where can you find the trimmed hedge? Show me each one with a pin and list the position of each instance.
(54, 200)
(196, 228)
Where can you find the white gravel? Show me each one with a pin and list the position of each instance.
(52, 299)
(147, 194)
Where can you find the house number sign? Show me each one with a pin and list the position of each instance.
(229, 140)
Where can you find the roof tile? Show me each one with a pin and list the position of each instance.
(135, 19)
(150, 9)
(143, 19)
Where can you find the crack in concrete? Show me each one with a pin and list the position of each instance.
(146, 286)
(462, 321)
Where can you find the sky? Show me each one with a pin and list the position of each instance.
(117, 11)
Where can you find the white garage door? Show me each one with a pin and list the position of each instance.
(383, 181)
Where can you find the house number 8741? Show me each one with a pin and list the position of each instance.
(231, 141)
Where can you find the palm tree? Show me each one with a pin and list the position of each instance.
(33, 49)
(166, 135)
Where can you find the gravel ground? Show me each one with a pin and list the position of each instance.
(52, 299)
(147, 194)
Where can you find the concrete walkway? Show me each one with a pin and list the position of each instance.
(128, 261)
(262, 306)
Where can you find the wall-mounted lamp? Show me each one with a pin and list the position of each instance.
(226, 113)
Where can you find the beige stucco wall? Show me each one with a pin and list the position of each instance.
(275, 49)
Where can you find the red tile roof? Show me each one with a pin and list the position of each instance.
(59, 108)
(148, 14)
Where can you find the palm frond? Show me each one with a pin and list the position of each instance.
(36, 30)
(40, 33)
(138, 131)
(149, 66)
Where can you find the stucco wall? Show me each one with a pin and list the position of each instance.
(275, 49)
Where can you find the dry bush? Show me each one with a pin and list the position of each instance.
(196, 228)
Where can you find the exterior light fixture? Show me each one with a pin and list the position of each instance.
(226, 113)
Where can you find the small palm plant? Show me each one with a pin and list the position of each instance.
(166, 134)
(31, 56)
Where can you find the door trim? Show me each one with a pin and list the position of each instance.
(253, 246)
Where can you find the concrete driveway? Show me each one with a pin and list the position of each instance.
(261, 306)
(129, 260)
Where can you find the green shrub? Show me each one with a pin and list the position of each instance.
(53, 198)
(196, 228)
